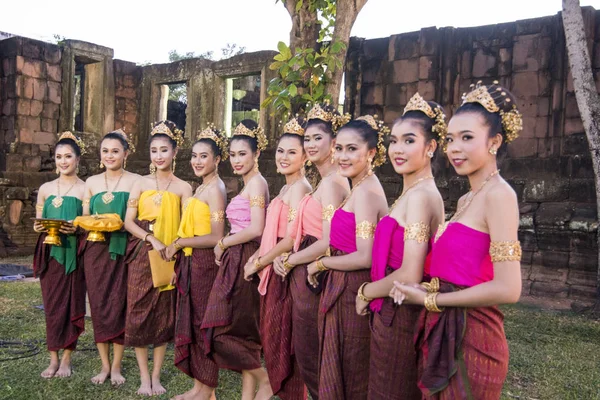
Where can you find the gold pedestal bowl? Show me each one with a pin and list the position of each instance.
(52, 227)
(97, 224)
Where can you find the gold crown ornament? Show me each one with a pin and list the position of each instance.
(78, 141)
(163, 129)
(440, 128)
(381, 130)
(337, 120)
(491, 100)
(256, 133)
(212, 133)
(122, 133)
(293, 127)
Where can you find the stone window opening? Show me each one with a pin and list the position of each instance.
(78, 96)
(242, 100)
(173, 103)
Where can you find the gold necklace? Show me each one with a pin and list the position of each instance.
(202, 187)
(58, 200)
(157, 198)
(108, 197)
(406, 191)
(321, 181)
(354, 188)
(468, 201)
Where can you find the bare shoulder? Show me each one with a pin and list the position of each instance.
(258, 186)
(46, 188)
(94, 179)
(501, 195)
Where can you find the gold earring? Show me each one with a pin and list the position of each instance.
(57, 171)
(256, 164)
(174, 163)
(370, 160)
(125, 163)
(77, 169)
(493, 151)
(332, 156)
(101, 165)
(430, 154)
(152, 169)
(308, 163)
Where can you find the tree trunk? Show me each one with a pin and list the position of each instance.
(346, 13)
(305, 26)
(586, 95)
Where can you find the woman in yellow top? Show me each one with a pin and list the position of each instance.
(153, 216)
(202, 226)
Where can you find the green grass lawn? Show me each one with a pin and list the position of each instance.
(554, 355)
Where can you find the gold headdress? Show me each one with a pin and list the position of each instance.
(382, 130)
(78, 142)
(512, 120)
(122, 133)
(162, 128)
(440, 128)
(212, 133)
(337, 120)
(293, 127)
(257, 133)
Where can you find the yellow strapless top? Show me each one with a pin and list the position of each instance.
(195, 221)
(166, 213)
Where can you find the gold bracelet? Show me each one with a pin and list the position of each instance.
(430, 302)
(432, 286)
(176, 245)
(361, 294)
(146, 236)
(257, 264)
(286, 264)
(221, 244)
(320, 266)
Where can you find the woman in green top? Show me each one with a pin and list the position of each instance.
(105, 269)
(62, 282)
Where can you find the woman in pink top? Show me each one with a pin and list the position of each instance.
(230, 324)
(344, 336)
(310, 231)
(475, 261)
(276, 301)
(400, 249)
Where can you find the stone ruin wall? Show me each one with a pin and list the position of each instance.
(549, 166)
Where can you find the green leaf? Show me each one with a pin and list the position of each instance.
(284, 50)
(275, 66)
(293, 90)
(337, 47)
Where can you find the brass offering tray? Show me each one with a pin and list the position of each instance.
(97, 224)
(52, 227)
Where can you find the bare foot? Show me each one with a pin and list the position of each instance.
(50, 371)
(145, 388)
(264, 391)
(157, 388)
(116, 378)
(101, 377)
(64, 371)
(185, 395)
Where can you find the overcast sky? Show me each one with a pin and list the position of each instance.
(145, 31)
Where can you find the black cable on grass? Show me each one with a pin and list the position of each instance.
(19, 349)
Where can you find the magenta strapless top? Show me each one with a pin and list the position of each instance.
(238, 213)
(462, 256)
(343, 231)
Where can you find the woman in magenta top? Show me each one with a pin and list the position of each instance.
(344, 335)
(310, 230)
(400, 249)
(276, 301)
(231, 321)
(475, 262)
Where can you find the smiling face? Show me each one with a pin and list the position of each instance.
(112, 154)
(162, 153)
(241, 156)
(409, 147)
(318, 144)
(66, 159)
(290, 156)
(203, 159)
(352, 153)
(469, 142)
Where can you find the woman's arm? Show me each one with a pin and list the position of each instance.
(39, 208)
(87, 195)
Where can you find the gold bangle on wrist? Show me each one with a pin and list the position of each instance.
(320, 266)
(146, 236)
(361, 294)
(176, 245)
(432, 286)
(221, 244)
(286, 264)
(257, 264)
(430, 302)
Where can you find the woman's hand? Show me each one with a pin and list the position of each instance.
(409, 294)
(279, 268)
(170, 252)
(250, 268)
(67, 228)
(312, 274)
(38, 227)
(362, 307)
(218, 254)
(173, 279)
(159, 247)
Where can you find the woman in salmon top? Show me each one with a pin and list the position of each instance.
(202, 226)
(475, 262)
(344, 335)
(310, 230)
(400, 249)
(231, 323)
(152, 219)
(276, 301)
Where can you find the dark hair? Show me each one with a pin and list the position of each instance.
(365, 131)
(252, 141)
(216, 150)
(326, 126)
(172, 126)
(69, 142)
(422, 119)
(117, 136)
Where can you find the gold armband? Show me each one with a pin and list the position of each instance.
(218, 216)
(419, 231)
(132, 203)
(86, 202)
(292, 214)
(430, 302)
(365, 230)
(361, 294)
(505, 251)
(257, 201)
(327, 213)
(39, 207)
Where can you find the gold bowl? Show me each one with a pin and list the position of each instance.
(97, 224)
(52, 227)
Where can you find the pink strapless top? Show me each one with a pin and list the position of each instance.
(309, 220)
(343, 231)
(275, 227)
(462, 256)
(238, 213)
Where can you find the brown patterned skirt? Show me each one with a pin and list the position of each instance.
(150, 313)
(393, 366)
(305, 324)
(195, 277)
(231, 323)
(63, 297)
(106, 281)
(345, 337)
